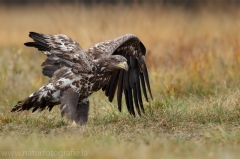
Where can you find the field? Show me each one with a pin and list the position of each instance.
(193, 58)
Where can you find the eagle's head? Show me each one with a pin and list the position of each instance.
(115, 62)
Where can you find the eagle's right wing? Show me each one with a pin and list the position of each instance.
(131, 83)
(61, 50)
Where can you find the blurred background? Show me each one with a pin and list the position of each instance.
(172, 2)
(193, 59)
(193, 46)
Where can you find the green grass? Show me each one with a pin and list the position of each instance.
(193, 60)
(171, 128)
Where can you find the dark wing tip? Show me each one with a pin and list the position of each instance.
(29, 44)
(132, 82)
(143, 49)
(39, 42)
(31, 33)
(39, 45)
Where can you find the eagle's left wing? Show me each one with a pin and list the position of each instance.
(61, 50)
(132, 82)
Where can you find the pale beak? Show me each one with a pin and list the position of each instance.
(123, 65)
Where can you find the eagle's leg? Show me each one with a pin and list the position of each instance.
(81, 114)
(69, 102)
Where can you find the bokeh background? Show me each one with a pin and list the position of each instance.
(193, 46)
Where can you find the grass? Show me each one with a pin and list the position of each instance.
(194, 62)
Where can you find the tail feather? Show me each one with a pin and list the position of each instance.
(25, 104)
(32, 102)
(39, 100)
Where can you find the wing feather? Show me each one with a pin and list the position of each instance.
(120, 90)
(113, 86)
(143, 86)
(145, 74)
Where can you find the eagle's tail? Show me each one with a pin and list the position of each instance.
(38, 100)
(25, 104)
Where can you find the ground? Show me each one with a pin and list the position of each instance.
(193, 58)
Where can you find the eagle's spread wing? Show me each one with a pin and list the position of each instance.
(132, 82)
(61, 50)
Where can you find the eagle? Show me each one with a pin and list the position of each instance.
(116, 66)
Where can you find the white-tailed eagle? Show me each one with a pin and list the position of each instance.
(113, 65)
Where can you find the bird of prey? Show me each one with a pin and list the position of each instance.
(115, 65)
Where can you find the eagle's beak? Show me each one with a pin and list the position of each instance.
(123, 65)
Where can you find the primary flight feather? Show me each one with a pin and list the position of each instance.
(113, 65)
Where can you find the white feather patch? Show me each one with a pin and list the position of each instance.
(63, 82)
(56, 96)
(50, 86)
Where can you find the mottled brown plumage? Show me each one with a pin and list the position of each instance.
(113, 65)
